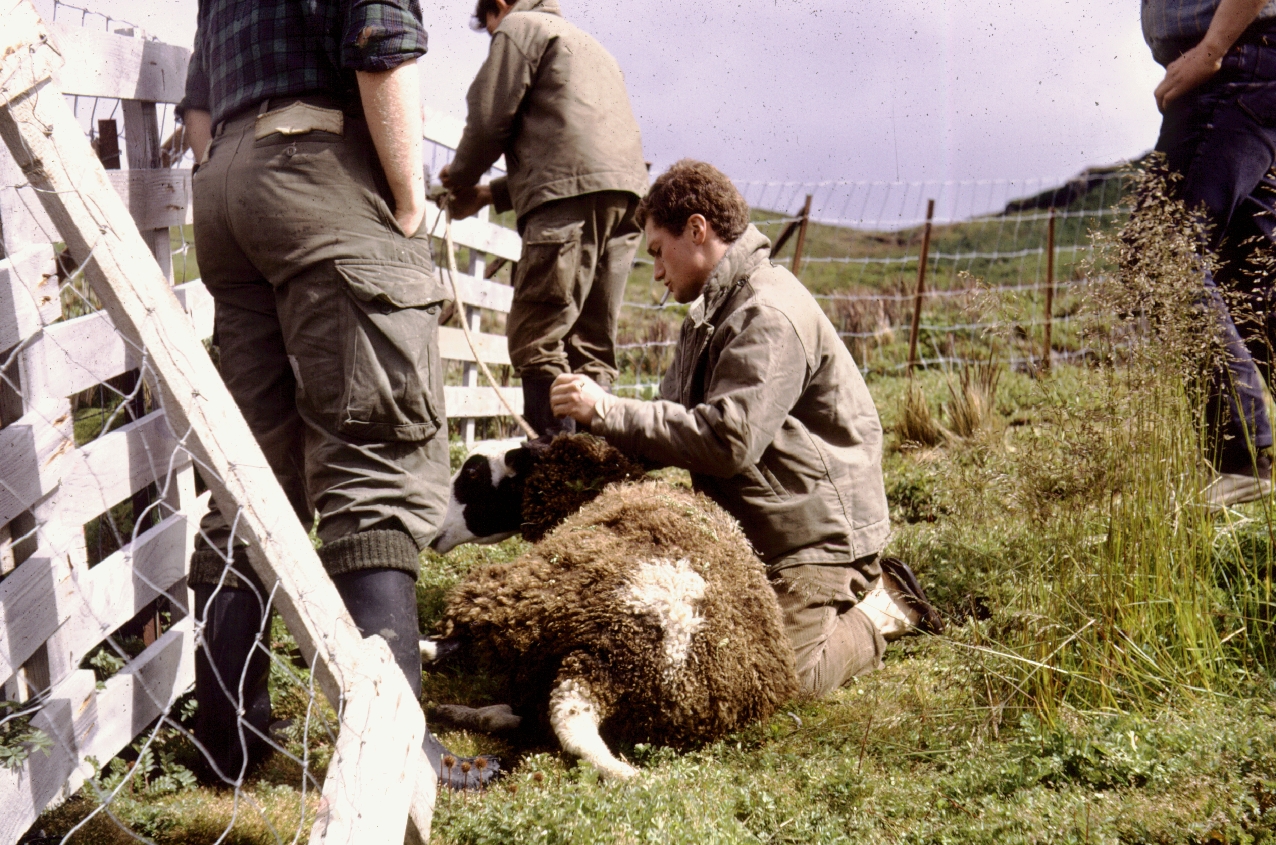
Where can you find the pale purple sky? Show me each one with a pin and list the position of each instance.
(805, 91)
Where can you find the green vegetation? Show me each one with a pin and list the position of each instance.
(1106, 677)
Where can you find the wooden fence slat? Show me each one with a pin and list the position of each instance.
(102, 64)
(156, 198)
(482, 293)
(492, 348)
(31, 455)
(70, 719)
(81, 353)
(43, 136)
(103, 473)
(198, 303)
(479, 234)
(28, 294)
(480, 401)
(45, 597)
(135, 696)
(86, 722)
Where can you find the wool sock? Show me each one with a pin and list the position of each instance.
(888, 613)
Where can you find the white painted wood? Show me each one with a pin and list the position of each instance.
(37, 125)
(479, 234)
(70, 718)
(88, 350)
(480, 401)
(32, 452)
(445, 130)
(144, 689)
(493, 348)
(370, 769)
(83, 352)
(198, 303)
(105, 472)
(29, 603)
(28, 294)
(482, 293)
(47, 597)
(142, 144)
(101, 64)
(157, 198)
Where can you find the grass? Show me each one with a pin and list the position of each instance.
(1106, 676)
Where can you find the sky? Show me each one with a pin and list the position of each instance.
(796, 90)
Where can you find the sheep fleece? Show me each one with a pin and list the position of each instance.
(566, 608)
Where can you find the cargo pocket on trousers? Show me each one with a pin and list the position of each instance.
(547, 269)
(389, 334)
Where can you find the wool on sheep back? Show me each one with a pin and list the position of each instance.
(648, 605)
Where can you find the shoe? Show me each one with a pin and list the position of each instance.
(460, 773)
(1234, 488)
(900, 582)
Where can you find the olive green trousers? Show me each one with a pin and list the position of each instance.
(570, 284)
(326, 323)
(833, 641)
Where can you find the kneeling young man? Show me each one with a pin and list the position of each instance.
(764, 405)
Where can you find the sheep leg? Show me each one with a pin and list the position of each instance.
(496, 718)
(575, 714)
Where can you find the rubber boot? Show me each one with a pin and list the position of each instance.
(230, 668)
(536, 408)
(383, 601)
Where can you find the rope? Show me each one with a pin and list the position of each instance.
(445, 208)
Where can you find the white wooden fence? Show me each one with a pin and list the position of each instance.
(55, 608)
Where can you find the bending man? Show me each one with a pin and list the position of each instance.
(553, 101)
(766, 408)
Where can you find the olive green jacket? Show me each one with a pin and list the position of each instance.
(553, 101)
(765, 406)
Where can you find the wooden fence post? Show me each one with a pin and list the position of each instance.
(801, 236)
(921, 287)
(376, 773)
(1045, 358)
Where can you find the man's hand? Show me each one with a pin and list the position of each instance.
(1197, 65)
(573, 395)
(445, 176)
(1193, 68)
(467, 201)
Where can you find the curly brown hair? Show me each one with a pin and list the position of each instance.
(694, 187)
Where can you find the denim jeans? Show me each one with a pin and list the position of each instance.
(1221, 138)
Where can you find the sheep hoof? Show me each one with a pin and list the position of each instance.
(435, 651)
(497, 718)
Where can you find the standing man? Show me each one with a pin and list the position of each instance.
(309, 200)
(765, 407)
(553, 102)
(1218, 98)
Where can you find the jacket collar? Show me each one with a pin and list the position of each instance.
(744, 256)
(548, 6)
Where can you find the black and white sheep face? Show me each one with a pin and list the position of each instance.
(486, 501)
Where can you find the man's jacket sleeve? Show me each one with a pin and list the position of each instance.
(493, 101)
(760, 374)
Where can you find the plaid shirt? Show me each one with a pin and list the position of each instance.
(249, 50)
(1168, 25)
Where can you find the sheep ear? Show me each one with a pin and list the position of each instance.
(519, 461)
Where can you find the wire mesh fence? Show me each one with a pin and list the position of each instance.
(103, 484)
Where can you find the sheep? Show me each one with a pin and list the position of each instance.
(644, 616)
